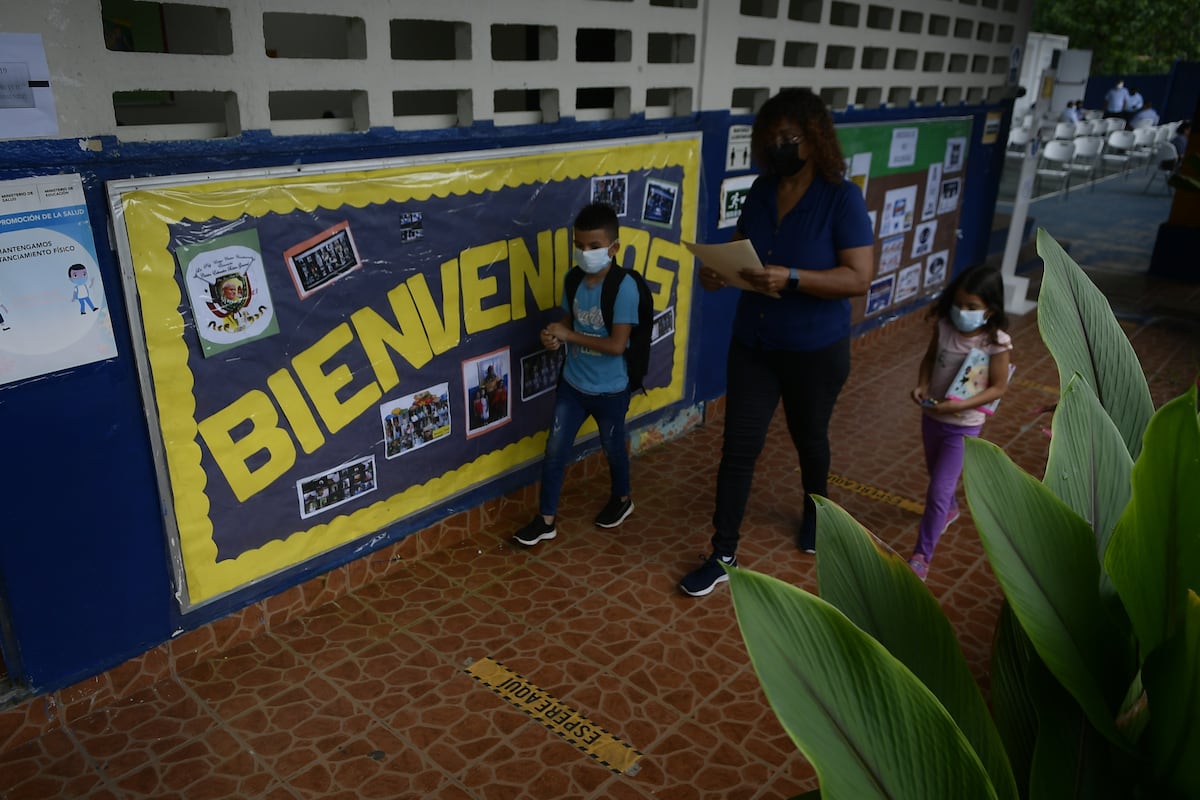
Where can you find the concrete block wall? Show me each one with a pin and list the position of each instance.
(308, 67)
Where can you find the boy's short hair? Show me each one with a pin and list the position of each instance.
(599, 216)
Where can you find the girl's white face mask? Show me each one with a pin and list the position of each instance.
(967, 321)
(592, 261)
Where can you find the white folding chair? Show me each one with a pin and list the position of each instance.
(1116, 150)
(1113, 124)
(1064, 130)
(1087, 157)
(1165, 163)
(1144, 122)
(1017, 139)
(1143, 145)
(1056, 163)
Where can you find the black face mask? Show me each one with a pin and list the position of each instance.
(785, 161)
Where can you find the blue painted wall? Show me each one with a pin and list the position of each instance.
(84, 568)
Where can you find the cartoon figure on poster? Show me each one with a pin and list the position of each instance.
(935, 268)
(78, 275)
(486, 383)
(923, 239)
(54, 314)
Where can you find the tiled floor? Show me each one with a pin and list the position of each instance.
(368, 696)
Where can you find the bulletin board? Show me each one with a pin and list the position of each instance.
(326, 351)
(912, 174)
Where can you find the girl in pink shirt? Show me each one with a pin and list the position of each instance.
(970, 315)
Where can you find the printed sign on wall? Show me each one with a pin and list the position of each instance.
(332, 353)
(53, 311)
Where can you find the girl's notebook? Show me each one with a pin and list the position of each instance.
(972, 378)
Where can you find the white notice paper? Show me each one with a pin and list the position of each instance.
(903, 152)
(26, 102)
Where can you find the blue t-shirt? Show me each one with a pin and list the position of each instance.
(830, 217)
(588, 370)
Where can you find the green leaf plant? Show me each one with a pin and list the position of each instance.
(1095, 672)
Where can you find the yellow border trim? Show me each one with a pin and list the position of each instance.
(148, 213)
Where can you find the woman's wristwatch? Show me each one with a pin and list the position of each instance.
(793, 281)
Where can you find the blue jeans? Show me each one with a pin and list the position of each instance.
(571, 408)
(808, 383)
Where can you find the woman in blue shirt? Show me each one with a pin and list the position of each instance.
(809, 227)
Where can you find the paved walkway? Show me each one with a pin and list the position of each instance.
(369, 695)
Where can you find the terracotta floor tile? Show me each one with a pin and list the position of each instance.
(367, 696)
(49, 766)
(213, 765)
(143, 728)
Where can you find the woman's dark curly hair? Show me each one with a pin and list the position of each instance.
(808, 112)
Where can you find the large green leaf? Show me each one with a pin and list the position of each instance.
(1088, 466)
(1172, 679)
(1154, 555)
(1071, 761)
(880, 594)
(1012, 704)
(1082, 334)
(869, 727)
(1044, 557)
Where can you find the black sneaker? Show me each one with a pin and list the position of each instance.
(615, 512)
(704, 579)
(534, 532)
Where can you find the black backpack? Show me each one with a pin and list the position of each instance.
(637, 354)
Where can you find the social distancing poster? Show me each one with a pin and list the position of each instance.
(330, 352)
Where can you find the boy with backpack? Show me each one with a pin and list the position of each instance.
(606, 331)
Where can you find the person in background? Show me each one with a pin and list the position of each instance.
(1133, 104)
(1070, 113)
(811, 232)
(1147, 113)
(970, 315)
(1180, 142)
(1180, 139)
(1114, 100)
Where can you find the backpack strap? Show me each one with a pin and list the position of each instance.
(571, 286)
(608, 294)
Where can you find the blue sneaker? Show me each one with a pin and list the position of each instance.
(705, 578)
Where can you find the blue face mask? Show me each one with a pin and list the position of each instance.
(967, 321)
(592, 261)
